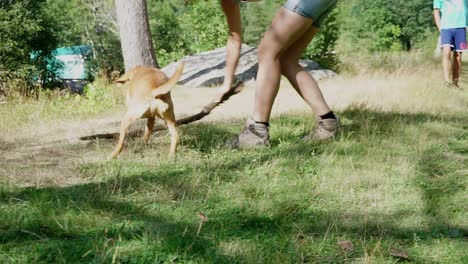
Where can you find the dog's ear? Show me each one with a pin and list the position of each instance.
(121, 80)
(127, 76)
(124, 78)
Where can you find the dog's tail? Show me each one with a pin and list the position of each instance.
(167, 86)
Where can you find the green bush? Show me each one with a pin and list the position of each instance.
(166, 30)
(25, 27)
(204, 26)
(382, 25)
(98, 97)
(256, 18)
(17, 83)
(185, 27)
(322, 49)
(180, 29)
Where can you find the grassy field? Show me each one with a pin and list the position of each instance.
(394, 183)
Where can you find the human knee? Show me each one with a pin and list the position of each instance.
(458, 56)
(266, 53)
(446, 51)
(287, 63)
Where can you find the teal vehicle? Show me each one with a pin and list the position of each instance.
(70, 66)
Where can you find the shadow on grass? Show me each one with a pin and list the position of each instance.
(169, 236)
(99, 198)
(360, 124)
(442, 174)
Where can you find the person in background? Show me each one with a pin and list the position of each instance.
(451, 19)
(291, 31)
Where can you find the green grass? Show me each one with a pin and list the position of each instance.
(59, 105)
(392, 180)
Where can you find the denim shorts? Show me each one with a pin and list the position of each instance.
(454, 38)
(317, 10)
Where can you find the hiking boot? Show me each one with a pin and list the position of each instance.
(254, 135)
(456, 86)
(451, 85)
(324, 129)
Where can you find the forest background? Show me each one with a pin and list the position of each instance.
(356, 29)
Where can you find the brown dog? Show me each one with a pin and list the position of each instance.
(149, 96)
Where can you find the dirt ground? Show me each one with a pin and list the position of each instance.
(53, 152)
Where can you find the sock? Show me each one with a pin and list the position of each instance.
(263, 123)
(329, 115)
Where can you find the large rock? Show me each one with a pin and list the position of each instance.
(207, 68)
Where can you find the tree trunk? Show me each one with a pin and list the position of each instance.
(135, 34)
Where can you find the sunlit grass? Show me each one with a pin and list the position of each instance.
(394, 179)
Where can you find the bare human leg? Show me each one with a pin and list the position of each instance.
(286, 36)
(287, 27)
(232, 12)
(446, 61)
(279, 53)
(456, 68)
(300, 79)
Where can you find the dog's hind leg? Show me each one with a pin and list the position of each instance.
(128, 119)
(149, 129)
(170, 120)
(171, 125)
(165, 110)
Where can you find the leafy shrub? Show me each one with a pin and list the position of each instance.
(166, 29)
(382, 25)
(25, 27)
(184, 28)
(322, 49)
(256, 18)
(98, 96)
(204, 26)
(17, 83)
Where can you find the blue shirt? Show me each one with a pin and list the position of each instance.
(454, 13)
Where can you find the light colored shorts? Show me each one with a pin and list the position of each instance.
(317, 10)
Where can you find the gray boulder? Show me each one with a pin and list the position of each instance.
(206, 69)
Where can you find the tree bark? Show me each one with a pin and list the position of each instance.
(135, 34)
